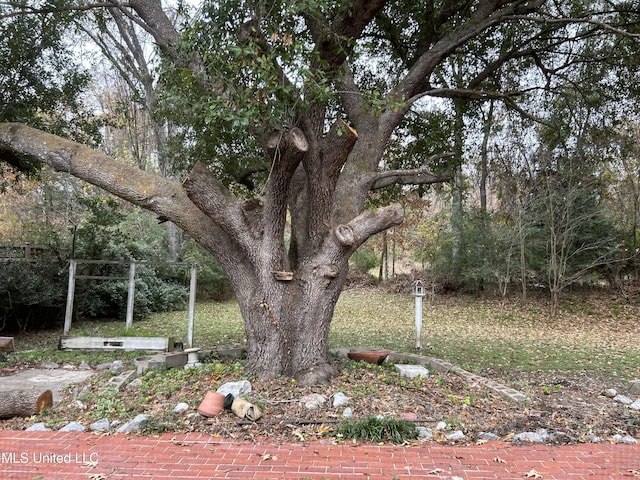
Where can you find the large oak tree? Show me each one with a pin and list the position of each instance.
(285, 110)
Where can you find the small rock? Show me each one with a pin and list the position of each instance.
(441, 426)
(626, 439)
(237, 389)
(623, 399)
(49, 365)
(134, 384)
(635, 405)
(68, 366)
(634, 387)
(539, 436)
(456, 436)
(84, 366)
(591, 438)
(610, 392)
(38, 427)
(73, 427)
(117, 366)
(488, 436)
(104, 366)
(181, 407)
(347, 413)
(102, 425)
(136, 424)
(79, 404)
(313, 401)
(424, 433)
(340, 399)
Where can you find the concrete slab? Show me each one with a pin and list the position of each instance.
(54, 379)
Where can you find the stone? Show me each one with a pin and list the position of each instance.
(103, 366)
(347, 413)
(635, 405)
(340, 399)
(117, 366)
(591, 438)
(101, 425)
(237, 389)
(73, 427)
(412, 371)
(539, 436)
(623, 399)
(491, 437)
(313, 401)
(626, 439)
(49, 365)
(634, 387)
(84, 366)
(440, 426)
(181, 407)
(424, 433)
(134, 425)
(610, 393)
(457, 436)
(134, 384)
(38, 427)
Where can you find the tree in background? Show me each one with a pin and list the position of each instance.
(285, 111)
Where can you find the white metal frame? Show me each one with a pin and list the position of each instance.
(130, 296)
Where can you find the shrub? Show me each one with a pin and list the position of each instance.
(377, 429)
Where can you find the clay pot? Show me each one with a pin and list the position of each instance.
(212, 404)
(375, 356)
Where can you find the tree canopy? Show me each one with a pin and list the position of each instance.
(286, 112)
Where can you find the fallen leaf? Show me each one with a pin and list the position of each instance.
(635, 473)
(268, 456)
(499, 460)
(98, 476)
(435, 471)
(532, 474)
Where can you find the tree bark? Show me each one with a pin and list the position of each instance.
(24, 403)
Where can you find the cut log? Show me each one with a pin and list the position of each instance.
(6, 344)
(24, 403)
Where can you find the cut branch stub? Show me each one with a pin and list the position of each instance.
(345, 235)
(289, 144)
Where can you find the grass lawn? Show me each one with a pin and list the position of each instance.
(589, 333)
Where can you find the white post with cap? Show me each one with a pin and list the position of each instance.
(418, 293)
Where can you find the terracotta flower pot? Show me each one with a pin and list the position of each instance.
(212, 404)
(374, 356)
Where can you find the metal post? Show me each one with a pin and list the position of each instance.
(418, 293)
(68, 314)
(418, 322)
(192, 303)
(131, 294)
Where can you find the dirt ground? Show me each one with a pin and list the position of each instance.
(570, 402)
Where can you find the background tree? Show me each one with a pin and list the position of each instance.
(284, 111)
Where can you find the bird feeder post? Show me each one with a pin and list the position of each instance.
(418, 293)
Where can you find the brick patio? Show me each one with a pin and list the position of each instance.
(69, 455)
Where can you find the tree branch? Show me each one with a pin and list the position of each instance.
(164, 197)
(416, 176)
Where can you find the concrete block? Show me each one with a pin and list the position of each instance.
(412, 371)
(173, 359)
(121, 380)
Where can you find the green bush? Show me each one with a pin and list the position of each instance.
(32, 294)
(364, 260)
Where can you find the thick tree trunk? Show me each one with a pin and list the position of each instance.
(24, 403)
